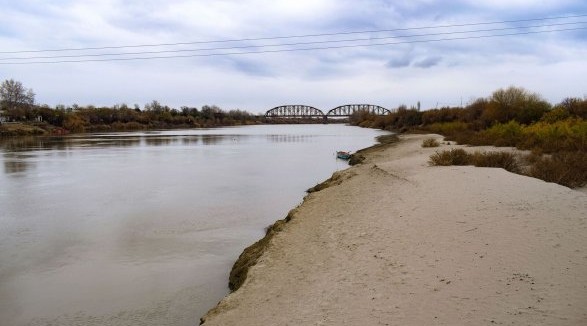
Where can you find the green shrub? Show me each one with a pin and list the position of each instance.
(430, 142)
(554, 115)
(506, 134)
(560, 136)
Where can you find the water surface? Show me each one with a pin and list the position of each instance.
(142, 228)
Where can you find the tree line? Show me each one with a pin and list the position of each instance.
(502, 106)
(18, 104)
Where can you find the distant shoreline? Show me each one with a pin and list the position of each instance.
(17, 129)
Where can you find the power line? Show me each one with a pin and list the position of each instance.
(295, 36)
(292, 50)
(288, 44)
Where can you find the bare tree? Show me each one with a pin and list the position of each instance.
(13, 95)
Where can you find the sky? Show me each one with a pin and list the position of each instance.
(387, 53)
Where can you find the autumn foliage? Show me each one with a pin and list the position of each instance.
(515, 117)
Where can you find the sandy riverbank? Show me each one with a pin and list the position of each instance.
(398, 242)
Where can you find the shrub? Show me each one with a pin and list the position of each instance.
(560, 136)
(565, 168)
(448, 128)
(557, 114)
(430, 142)
(506, 134)
(455, 156)
(515, 103)
(504, 160)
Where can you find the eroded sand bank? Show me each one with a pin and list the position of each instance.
(398, 242)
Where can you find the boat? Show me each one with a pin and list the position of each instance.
(343, 155)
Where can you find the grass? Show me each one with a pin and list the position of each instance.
(20, 129)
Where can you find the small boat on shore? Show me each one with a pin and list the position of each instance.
(343, 155)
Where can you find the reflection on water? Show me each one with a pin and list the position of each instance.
(213, 139)
(160, 141)
(290, 138)
(142, 228)
(14, 144)
(21, 144)
(16, 162)
(12, 167)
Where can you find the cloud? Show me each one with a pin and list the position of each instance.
(399, 62)
(387, 75)
(428, 62)
(413, 58)
(529, 5)
(249, 66)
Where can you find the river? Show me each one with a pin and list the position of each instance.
(142, 228)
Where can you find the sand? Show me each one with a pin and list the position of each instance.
(398, 242)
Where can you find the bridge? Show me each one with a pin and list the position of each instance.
(294, 111)
(305, 111)
(350, 109)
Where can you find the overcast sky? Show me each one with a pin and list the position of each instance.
(404, 71)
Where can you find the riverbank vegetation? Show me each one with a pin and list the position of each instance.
(19, 115)
(556, 134)
(154, 115)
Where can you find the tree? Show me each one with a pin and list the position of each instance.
(154, 106)
(212, 112)
(13, 94)
(515, 103)
(576, 107)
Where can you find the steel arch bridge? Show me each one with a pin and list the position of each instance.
(294, 111)
(348, 109)
(305, 111)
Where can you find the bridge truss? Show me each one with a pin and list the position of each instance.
(305, 111)
(294, 111)
(349, 109)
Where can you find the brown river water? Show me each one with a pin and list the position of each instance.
(142, 228)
